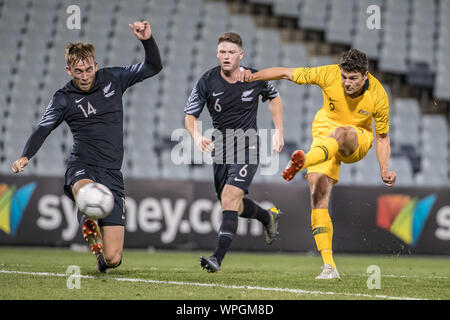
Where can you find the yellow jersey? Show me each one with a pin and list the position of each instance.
(338, 109)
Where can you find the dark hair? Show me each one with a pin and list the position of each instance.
(354, 60)
(231, 37)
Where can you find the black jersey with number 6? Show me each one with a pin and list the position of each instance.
(232, 106)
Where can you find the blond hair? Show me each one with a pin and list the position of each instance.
(79, 51)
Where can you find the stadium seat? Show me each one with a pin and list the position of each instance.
(294, 55)
(402, 166)
(407, 109)
(267, 48)
(186, 32)
(346, 175)
(434, 123)
(365, 39)
(287, 8)
(313, 14)
(394, 43)
(336, 31)
(422, 32)
(268, 2)
(366, 171)
(405, 133)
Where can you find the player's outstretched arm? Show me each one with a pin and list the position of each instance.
(143, 32)
(383, 148)
(274, 73)
(203, 143)
(32, 146)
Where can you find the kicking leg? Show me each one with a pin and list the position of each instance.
(90, 229)
(343, 140)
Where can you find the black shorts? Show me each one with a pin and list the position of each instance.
(238, 175)
(112, 178)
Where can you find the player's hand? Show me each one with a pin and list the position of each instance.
(20, 164)
(204, 144)
(389, 177)
(277, 141)
(245, 75)
(141, 30)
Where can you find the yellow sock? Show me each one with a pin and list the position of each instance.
(322, 229)
(320, 153)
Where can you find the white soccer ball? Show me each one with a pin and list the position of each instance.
(95, 200)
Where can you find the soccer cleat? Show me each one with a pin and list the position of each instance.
(210, 264)
(328, 272)
(294, 166)
(271, 230)
(91, 234)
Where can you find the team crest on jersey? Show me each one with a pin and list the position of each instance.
(245, 95)
(106, 91)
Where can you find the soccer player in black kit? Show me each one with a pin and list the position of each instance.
(233, 107)
(91, 104)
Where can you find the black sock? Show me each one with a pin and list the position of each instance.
(227, 231)
(253, 211)
(102, 265)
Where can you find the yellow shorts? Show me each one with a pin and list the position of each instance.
(332, 166)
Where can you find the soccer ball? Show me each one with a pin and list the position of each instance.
(95, 200)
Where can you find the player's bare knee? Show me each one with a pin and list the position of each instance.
(346, 138)
(319, 190)
(318, 198)
(339, 135)
(230, 202)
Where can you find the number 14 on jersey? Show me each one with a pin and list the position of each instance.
(90, 110)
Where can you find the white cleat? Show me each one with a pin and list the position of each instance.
(328, 272)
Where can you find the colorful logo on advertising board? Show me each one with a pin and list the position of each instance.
(13, 202)
(404, 216)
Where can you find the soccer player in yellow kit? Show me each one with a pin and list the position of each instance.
(341, 131)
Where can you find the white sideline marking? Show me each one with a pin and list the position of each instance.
(397, 276)
(198, 284)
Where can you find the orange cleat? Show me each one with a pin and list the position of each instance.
(294, 166)
(91, 234)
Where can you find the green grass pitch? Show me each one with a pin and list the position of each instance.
(38, 273)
